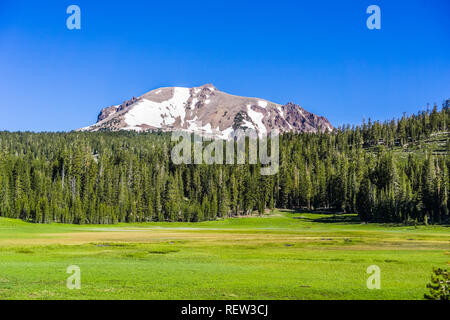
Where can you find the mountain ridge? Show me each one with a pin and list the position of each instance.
(206, 110)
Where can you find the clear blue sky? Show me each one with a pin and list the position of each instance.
(318, 54)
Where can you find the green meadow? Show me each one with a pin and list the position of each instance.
(283, 255)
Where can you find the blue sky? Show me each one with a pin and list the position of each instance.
(318, 54)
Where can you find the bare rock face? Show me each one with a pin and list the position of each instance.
(206, 110)
(106, 112)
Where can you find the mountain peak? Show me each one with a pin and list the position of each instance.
(208, 85)
(206, 110)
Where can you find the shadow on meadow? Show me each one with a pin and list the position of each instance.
(328, 216)
(324, 216)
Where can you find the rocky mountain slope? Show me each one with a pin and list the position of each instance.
(206, 110)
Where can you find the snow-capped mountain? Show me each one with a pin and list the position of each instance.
(206, 110)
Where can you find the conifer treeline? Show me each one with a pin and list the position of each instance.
(111, 177)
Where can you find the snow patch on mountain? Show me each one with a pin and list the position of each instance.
(157, 114)
(257, 118)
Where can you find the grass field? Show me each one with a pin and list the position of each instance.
(285, 255)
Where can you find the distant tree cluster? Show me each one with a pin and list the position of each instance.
(109, 177)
